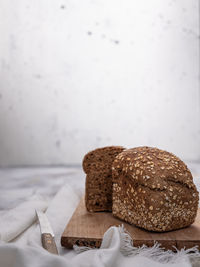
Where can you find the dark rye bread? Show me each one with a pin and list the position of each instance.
(97, 164)
(153, 189)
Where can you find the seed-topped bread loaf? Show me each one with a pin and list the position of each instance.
(153, 189)
(97, 164)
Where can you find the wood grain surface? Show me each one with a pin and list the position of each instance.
(87, 229)
(48, 243)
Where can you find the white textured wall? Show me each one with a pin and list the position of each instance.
(75, 75)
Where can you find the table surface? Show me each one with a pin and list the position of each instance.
(19, 184)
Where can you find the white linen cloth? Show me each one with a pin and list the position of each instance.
(15, 221)
(116, 250)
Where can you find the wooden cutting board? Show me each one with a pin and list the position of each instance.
(87, 229)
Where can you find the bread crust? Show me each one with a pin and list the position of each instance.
(153, 189)
(97, 164)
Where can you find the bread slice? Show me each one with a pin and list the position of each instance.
(97, 165)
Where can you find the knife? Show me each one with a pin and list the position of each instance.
(47, 235)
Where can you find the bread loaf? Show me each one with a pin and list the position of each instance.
(97, 165)
(153, 189)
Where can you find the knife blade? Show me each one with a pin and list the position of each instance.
(47, 235)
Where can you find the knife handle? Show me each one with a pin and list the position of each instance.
(48, 243)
